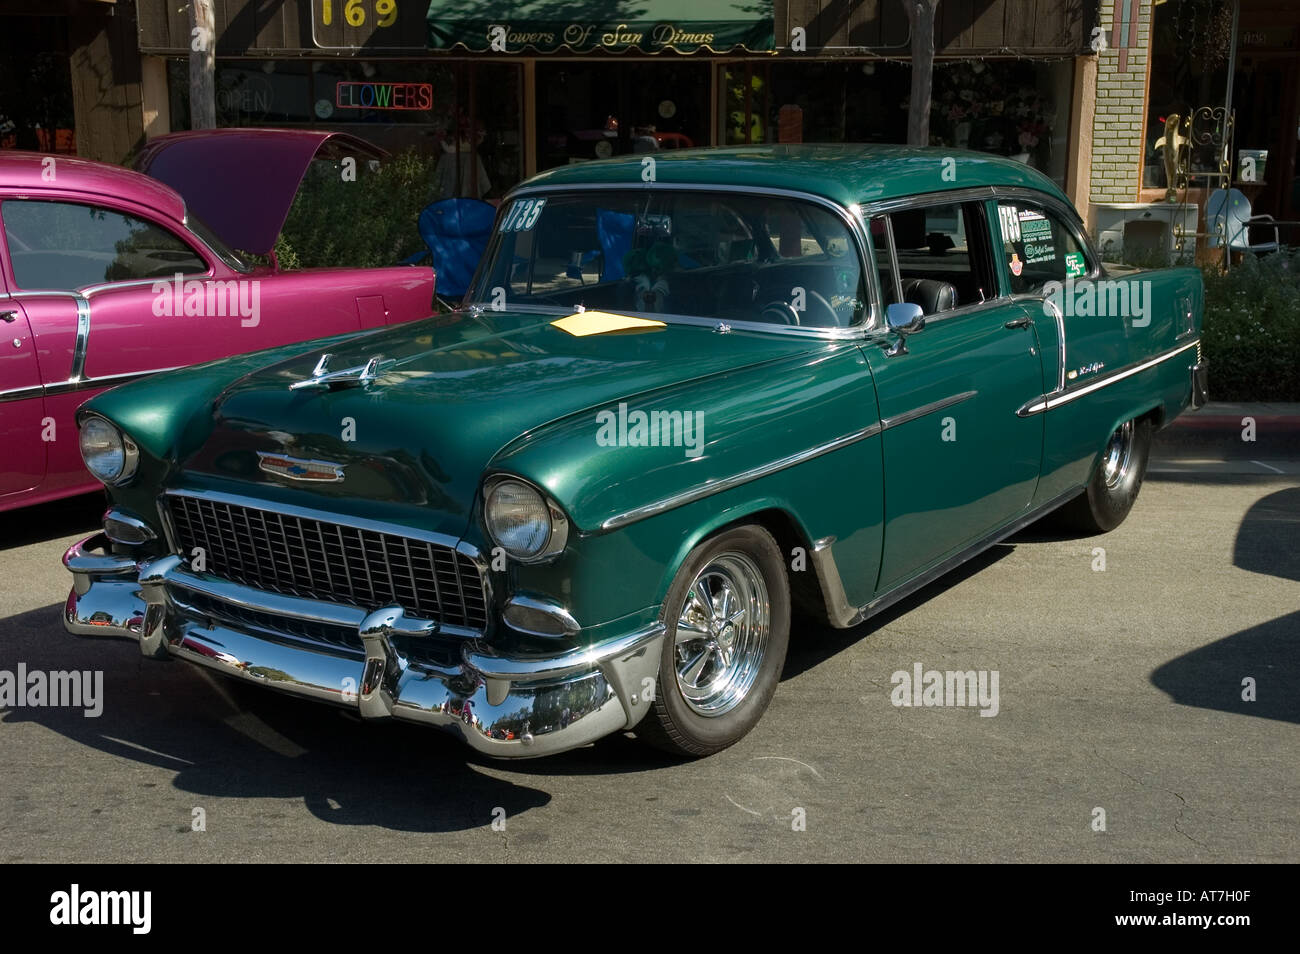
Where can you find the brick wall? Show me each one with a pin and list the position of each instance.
(1117, 132)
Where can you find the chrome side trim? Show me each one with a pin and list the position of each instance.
(91, 290)
(1059, 318)
(233, 262)
(925, 409)
(84, 384)
(968, 194)
(105, 381)
(83, 339)
(1049, 401)
(21, 394)
(727, 483)
(893, 259)
(22, 294)
(844, 614)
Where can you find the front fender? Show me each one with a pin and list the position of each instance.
(774, 440)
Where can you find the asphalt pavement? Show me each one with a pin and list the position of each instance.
(1121, 731)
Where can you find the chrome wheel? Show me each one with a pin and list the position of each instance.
(1116, 460)
(723, 630)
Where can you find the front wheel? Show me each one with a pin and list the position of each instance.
(728, 626)
(1115, 484)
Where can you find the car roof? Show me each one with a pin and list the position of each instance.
(845, 173)
(28, 173)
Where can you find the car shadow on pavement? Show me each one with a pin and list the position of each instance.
(1268, 540)
(61, 518)
(1214, 676)
(223, 739)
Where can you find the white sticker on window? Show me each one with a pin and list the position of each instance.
(1036, 233)
(523, 215)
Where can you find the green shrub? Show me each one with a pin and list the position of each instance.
(363, 224)
(1252, 328)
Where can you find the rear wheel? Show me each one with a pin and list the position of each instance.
(1115, 484)
(728, 626)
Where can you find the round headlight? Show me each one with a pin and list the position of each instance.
(110, 456)
(522, 522)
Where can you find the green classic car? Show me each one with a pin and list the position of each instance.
(691, 404)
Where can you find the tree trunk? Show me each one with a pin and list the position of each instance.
(920, 16)
(203, 55)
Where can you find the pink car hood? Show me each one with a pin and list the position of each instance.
(241, 182)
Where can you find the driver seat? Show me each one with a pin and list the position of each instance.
(931, 294)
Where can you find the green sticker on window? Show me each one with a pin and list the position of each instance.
(1075, 264)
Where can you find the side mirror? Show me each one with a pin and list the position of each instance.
(903, 318)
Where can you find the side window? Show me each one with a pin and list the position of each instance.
(1037, 247)
(942, 253)
(66, 246)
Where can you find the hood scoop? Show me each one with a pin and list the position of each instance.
(362, 375)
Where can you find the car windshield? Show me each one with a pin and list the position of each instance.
(236, 260)
(721, 256)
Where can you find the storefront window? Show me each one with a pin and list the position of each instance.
(813, 102)
(1010, 108)
(35, 85)
(466, 113)
(1190, 41)
(597, 110)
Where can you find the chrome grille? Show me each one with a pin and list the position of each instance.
(318, 559)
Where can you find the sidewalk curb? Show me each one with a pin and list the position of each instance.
(1221, 433)
(1192, 420)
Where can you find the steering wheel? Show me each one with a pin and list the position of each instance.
(821, 311)
(779, 312)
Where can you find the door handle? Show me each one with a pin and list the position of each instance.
(1024, 321)
(8, 317)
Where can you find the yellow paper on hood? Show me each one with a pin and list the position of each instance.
(602, 323)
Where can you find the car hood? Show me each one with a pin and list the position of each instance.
(460, 389)
(241, 182)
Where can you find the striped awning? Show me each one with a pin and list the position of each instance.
(645, 26)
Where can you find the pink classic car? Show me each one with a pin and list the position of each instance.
(107, 275)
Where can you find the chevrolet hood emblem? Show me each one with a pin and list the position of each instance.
(295, 468)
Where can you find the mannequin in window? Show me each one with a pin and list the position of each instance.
(454, 173)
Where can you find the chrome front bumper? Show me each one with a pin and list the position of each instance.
(510, 706)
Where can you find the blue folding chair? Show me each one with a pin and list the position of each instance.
(615, 231)
(456, 232)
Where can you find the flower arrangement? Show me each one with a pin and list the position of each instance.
(993, 107)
